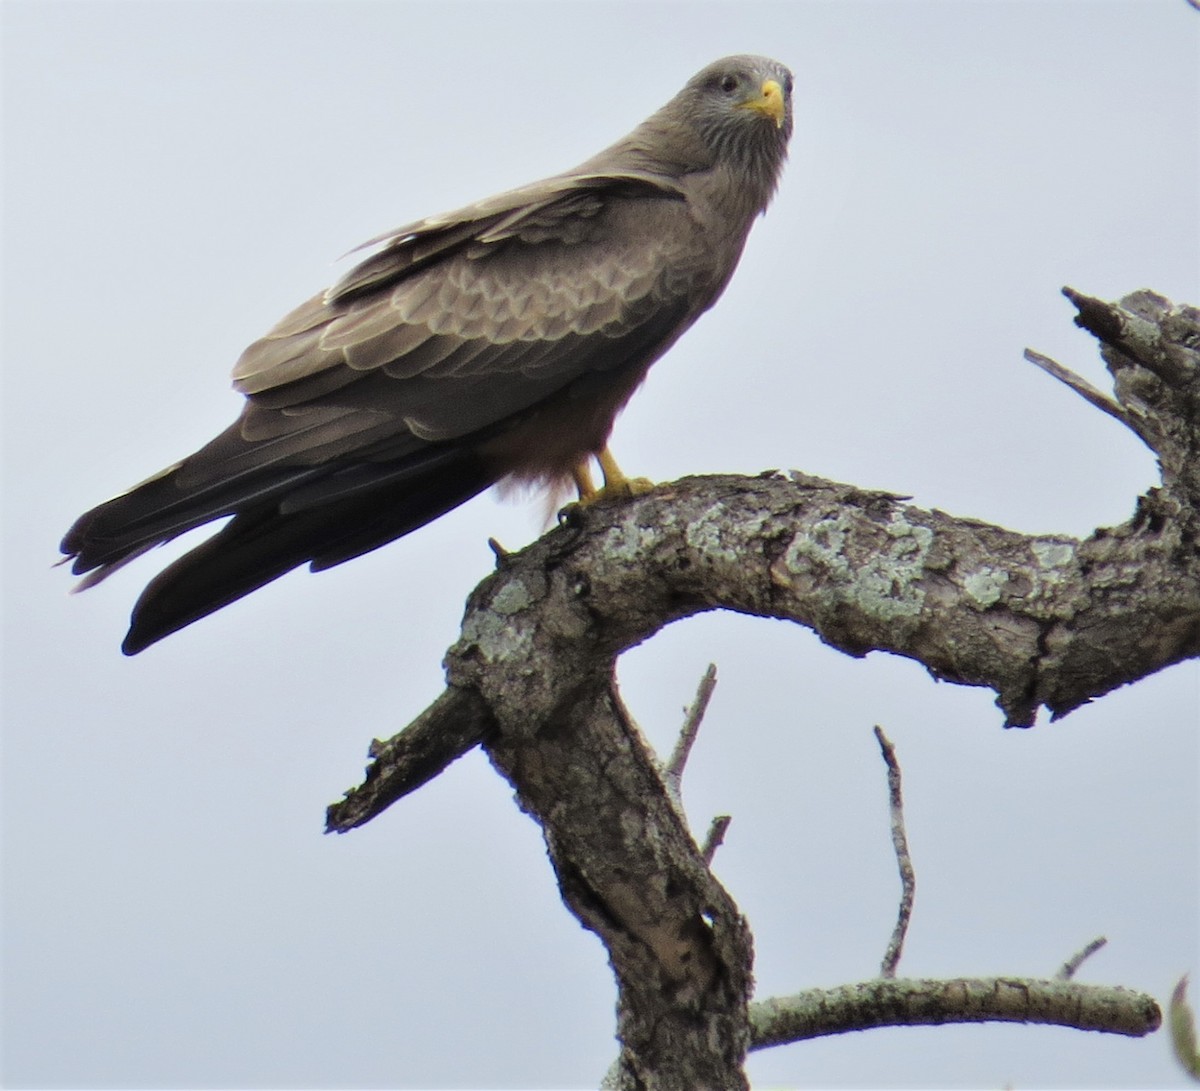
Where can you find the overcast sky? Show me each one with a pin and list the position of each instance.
(177, 176)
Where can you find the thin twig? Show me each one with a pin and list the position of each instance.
(715, 838)
(1067, 971)
(673, 772)
(908, 877)
(1084, 389)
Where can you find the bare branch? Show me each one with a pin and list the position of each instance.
(1085, 390)
(1071, 966)
(1042, 620)
(1140, 336)
(455, 723)
(908, 877)
(817, 1013)
(673, 771)
(1152, 349)
(715, 838)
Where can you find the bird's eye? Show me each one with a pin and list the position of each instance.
(728, 84)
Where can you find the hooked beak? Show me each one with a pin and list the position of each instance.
(769, 103)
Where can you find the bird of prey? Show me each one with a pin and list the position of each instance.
(497, 342)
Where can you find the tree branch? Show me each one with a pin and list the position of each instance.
(456, 722)
(715, 837)
(673, 770)
(1084, 389)
(901, 1002)
(908, 877)
(1071, 967)
(1042, 620)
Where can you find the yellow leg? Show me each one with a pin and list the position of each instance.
(582, 475)
(616, 483)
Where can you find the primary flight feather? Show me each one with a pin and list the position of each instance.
(495, 342)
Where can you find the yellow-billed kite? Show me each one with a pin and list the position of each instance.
(499, 341)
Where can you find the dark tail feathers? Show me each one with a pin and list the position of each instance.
(280, 522)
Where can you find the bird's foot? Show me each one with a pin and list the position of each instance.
(624, 489)
(616, 485)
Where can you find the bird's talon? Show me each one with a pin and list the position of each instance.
(625, 489)
(571, 515)
(503, 556)
(636, 486)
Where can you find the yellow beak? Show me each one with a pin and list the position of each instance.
(769, 103)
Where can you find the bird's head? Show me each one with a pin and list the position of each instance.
(736, 112)
(741, 99)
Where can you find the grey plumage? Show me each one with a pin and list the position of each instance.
(498, 341)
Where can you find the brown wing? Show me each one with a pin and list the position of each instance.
(376, 408)
(447, 344)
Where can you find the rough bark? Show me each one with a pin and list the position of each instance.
(898, 1002)
(1042, 620)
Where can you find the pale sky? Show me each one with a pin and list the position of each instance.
(178, 176)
